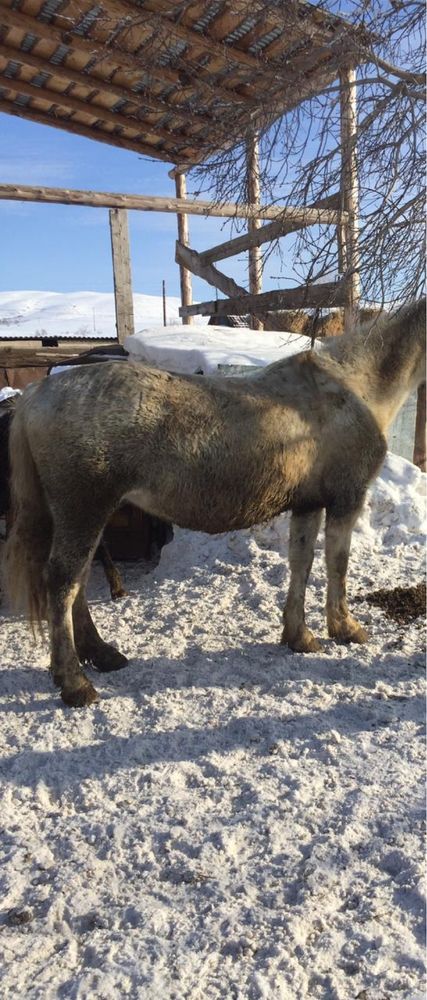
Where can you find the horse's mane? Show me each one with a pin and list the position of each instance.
(366, 344)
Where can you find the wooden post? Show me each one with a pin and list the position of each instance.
(420, 430)
(184, 238)
(165, 322)
(348, 237)
(255, 253)
(122, 273)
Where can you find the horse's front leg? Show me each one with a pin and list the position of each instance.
(303, 534)
(341, 625)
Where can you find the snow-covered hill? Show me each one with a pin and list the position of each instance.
(74, 314)
(231, 820)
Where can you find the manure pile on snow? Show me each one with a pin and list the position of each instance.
(402, 603)
(231, 819)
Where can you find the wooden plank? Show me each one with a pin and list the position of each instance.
(191, 260)
(307, 22)
(349, 230)
(297, 218)
(63, 36)
(14, 355)
(127, 41)
(420, 452)
(184, 239)
(121, 46)
(228, 20)
(306, 297)
(138, 202)
(122, 273)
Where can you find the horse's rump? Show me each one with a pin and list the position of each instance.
(28, 544)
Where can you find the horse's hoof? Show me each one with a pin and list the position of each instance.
(303, 643)
(116, 595)
(78, 697)
(107, 659)
(358, 635)
(350, 632)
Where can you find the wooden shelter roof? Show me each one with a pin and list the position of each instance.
(169, 79)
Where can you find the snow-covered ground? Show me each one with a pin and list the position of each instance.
(231, 820)
(75, 314)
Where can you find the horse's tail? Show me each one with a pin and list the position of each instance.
(29, 541)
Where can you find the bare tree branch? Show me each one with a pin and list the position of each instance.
(301, 157)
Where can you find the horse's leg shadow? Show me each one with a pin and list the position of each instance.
(341, 625)
(303, 533)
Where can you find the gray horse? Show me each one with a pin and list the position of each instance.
(210, 454)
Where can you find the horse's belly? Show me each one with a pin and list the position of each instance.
(210, 511)
(140, 498)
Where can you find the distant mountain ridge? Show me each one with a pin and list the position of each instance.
(29, 315)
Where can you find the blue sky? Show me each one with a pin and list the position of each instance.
(67, 248)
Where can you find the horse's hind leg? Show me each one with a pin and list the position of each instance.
(69, 559)
(89, 645)
(341, 625)
(62, 586)
(303, 534)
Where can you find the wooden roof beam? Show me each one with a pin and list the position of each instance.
(159, 16)
(303, 22)
(118, 57)
(308, 20)
(199, 77)
(96, 111)
(64, 72)
(77, 128)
